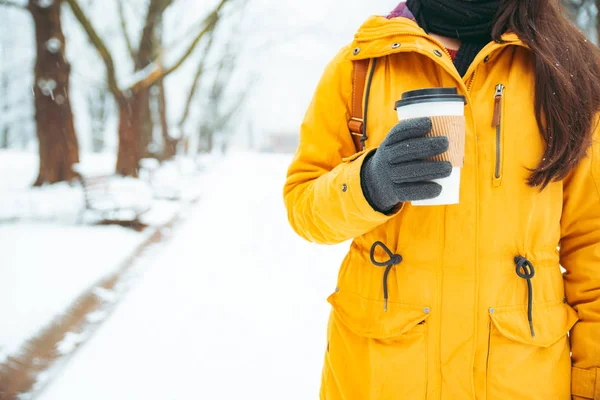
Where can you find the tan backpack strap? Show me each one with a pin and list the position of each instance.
(356, 123)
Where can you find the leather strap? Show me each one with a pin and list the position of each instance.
(356, 123)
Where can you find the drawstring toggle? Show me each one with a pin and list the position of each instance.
(394, 259)
(526, 271)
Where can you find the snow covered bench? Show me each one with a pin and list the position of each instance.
(114, 199)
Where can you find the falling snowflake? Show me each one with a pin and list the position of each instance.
(47, 87)
(45, 3)
(53, 45)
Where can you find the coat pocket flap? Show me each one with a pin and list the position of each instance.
(367, 317)
(355, 156)
(551, 322)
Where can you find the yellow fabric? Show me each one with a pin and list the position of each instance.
(586, 383)
(456, 322)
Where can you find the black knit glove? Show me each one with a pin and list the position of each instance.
(397, 171)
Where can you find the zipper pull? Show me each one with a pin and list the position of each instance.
(498, 105)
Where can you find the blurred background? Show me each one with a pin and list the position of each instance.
(144, 245)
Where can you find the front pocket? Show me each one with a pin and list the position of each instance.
(521, 366)
(376, 355)
(498, 143)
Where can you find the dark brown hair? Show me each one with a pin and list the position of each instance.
(567, 82)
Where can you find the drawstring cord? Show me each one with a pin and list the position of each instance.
(395, 259)
(526, 271)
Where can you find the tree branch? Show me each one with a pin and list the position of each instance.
(202, 68)
(14, 5)
(101, 48)
(160, 73)
(147, 81)
(130, 48)
(192, 93)
(210, 23)
(146, 47)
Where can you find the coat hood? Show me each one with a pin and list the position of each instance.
(377, 31)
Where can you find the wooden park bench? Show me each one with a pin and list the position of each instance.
(102, 199)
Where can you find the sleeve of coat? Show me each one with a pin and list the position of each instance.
(323, 194)
(580, 256)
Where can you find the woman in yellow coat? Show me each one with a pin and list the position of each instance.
(463, 301)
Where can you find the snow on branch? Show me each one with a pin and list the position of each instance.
(14, 4)
(210, 22)
(101, 48)
(152, 74)
(143, 78)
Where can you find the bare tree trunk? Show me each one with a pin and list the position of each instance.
(201, 136)
(206, 142)
(598, 22)
(169, 144)
(210, 141)
(4, 138)
(129, 134)
(58, 146)
(4, 96)
(148, 50)
(146, 125)
(98, 109)
(130, 109)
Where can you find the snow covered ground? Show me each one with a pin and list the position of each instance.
(47, 259)
(233, 307)
(44, 268)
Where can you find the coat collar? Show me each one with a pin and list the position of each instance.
(380, 36)
(379, 27)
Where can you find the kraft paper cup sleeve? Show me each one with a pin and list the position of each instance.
(452, 126)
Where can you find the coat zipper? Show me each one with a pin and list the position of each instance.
(497, 123)
(471, 82)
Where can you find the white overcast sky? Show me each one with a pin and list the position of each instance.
(290, 42)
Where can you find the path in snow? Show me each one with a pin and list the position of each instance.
(234, 307)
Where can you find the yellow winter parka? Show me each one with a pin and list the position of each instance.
(456, 323)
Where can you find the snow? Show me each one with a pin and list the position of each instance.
(47, 258)
(137, 77)
(105, 295)
(69, 342)
(53, 45)
(46, 266)
(95, 316)
(233, 307)
(174, 180)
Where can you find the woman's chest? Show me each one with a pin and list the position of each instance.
(502, 135)
(503, 143)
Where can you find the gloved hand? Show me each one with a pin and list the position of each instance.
(397, 171)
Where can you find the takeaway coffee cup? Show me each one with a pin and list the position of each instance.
(446, 108)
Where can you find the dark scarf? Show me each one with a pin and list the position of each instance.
(470, 21)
